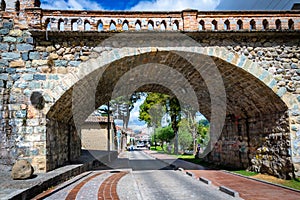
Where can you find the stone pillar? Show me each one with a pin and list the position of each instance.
(190, 22)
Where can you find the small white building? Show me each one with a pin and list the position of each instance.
(94, 134)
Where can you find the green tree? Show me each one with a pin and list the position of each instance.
(164, 134)
(185, 138)
(174, 110)
(202, 132)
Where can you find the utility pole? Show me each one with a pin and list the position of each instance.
(108, 130)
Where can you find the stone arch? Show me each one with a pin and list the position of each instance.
(278, 24)
(239, 24)
(232, 64)
(60, 25)
(138, 25)
(100, 25)
(227, 25)
(252, 25)
(214, 25)
(125, 26)
(265, 24)
(3, 5)
(163, 25)
(74, 24)
(17, 6)
(150, 25)
(291, 24)
(47, 25)
(175, 25)
(87, 25)
(201, 25)
(37, 3)
(112, 25)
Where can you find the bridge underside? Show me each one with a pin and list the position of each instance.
(256, 130)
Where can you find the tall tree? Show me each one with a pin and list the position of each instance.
(174, 110)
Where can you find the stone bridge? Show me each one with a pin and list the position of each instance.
(58, 66)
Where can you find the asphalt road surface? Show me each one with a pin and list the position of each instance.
(137, 176)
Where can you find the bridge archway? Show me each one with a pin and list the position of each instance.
(256, 114)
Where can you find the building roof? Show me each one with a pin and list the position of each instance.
(98, 119)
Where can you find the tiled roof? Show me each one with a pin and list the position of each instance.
(97, 119)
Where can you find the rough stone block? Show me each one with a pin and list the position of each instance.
(61, 63)
(34, 55)
(22, 169)
(29, 40)
(15, 33)
(10, 70)
(8, 25)
(3, 63)
(39, 77)
(20, 39)
(74, 63)
(4, 77)
(4, 31)
(36, 63)
(17, 63)
(24, 47)
(21, 114)
(10, 56)
(9, 39)
(25, 56)
(28, 77)
(4, 47)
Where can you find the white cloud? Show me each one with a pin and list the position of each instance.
(176, 5)
(71, 5)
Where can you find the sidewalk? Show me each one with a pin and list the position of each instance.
(246, 187)
(26, 189)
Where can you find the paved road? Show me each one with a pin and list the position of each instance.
(139, 176)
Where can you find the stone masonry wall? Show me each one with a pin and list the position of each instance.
(261, 144)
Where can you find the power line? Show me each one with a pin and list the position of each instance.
(285, 4)
(269, 4)
(255, 4)
(277, 4)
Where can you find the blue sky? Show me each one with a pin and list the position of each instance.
(167, 5)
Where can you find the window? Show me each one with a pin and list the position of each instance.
(163, 25)
(87, 26)
(112, 26)
(239, 24)
(201, 25)
(265, 24)
(61, 25)
(138, 25)
(37, 3)
(74, 25)
(100, 26)
(150, 25)
(47, 24)
(125, 26)
(291, 24)
(3, 5)
(17, 5)
(278, 24)
(214, 25)
(227, 25)
(252, 24)
(175, 25)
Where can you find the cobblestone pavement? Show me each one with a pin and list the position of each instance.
(247, 188)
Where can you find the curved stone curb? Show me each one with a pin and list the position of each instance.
(262, 181)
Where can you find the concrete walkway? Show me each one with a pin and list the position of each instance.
(246, 187)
